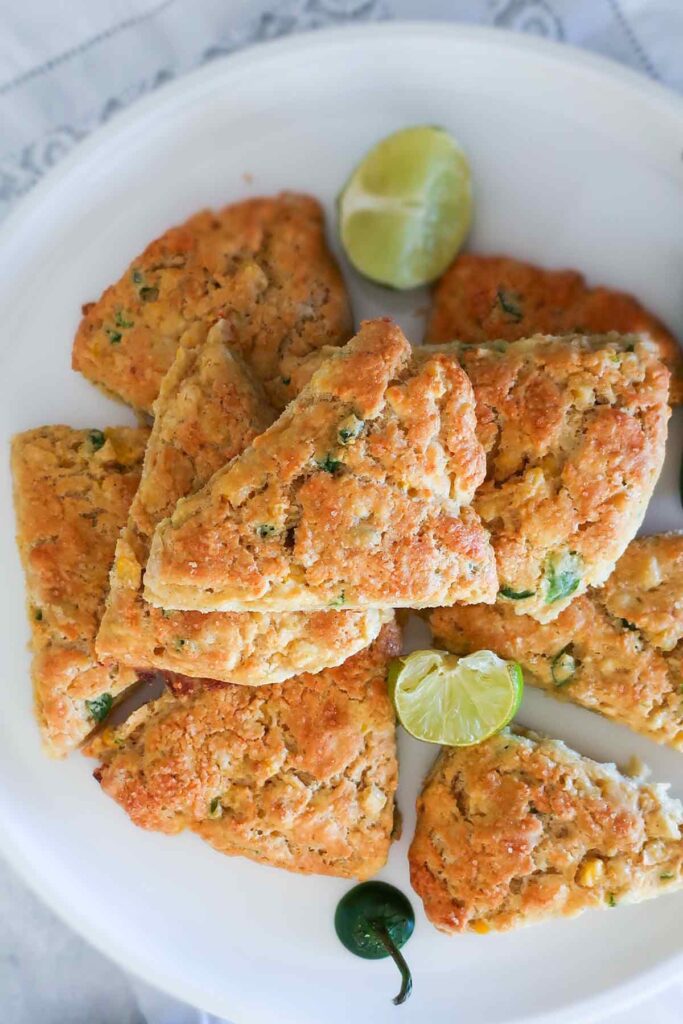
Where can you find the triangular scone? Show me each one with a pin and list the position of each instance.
(262, 264)
(209, 408)
(574, 429)
(301, 775)
(72, 491)
(520, 828)
(617, 650)
(357, 496)
(483, 298)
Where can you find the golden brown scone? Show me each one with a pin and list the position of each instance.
(646, 589)
(209, 408)
(617, 650)
(262, 264)
(357, 496)
(482, 298)
(300, 775)
(574, 429)
(72, 490)
(520, 829)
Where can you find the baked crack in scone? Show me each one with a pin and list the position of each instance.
(209, 408)
(617, 650)
(357, 496)
(484, 298)
(262, 264)
(300, 775)
(521, 828)
(574, 429)
(72, 490)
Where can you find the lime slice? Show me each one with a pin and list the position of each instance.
(406, 209)
(455, 701)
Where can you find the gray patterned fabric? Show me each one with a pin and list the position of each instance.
(66, 67)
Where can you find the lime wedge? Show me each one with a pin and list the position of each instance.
(441, 698)
(406, 209)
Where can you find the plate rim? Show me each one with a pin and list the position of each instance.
(650, 980)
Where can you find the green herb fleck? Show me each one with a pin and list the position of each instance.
(149, 294)
(166, 613)
(329, 465)
(563, 576)
(99, 707)
(113, 335)
(96, 439)
(611, 899)
(137, 276)
(509, 303)
(515, 595)
(214, 807)
(286, 381)
(121, 321)
(563, 666)
(628, 625)
(38, 614)
(265, 530)
(179, 643)
(350, 429)
(666, 876)
(338, 601)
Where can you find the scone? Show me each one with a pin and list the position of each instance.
(482, 298)
(574, 429)
(209, 408)
(520, 829)
(357, 497)
(262, 264)
(301, 775)
(72, 490)
(617, 650)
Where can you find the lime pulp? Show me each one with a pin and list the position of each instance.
(455, 701)
(405, 211)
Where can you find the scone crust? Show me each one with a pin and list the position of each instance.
(263, 264)
(481, 298)
(72, 490)
(520, 828)
(574, 429)
(646, 589)
(357, 496)
(300, 775)
(624, 640)
(209, 408)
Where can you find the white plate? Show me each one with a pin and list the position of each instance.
(576, 162)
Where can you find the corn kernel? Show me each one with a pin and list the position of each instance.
(128, 571)
(480, 927)
(590, 872)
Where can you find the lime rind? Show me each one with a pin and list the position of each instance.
(441, 698)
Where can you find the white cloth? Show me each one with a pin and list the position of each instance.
(65, 67)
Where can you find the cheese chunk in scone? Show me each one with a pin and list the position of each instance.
(520, 829)
(300, 775)
(484, 298)
(209, 408)
(262, 264)
(358, 496)
(617, 650)
(72, 490)
(574, 429)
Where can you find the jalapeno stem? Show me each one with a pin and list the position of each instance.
(382, 933)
